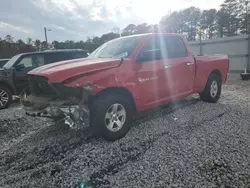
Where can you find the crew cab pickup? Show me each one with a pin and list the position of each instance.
(122, 76)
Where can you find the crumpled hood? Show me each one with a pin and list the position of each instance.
(60, 71)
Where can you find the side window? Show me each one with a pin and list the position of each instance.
(56, 57)
(39, 60)
(154, 49)
(52, 58)
(79, 54)
(64, 56)
(27, 62)
(32, 61)
(176, 47)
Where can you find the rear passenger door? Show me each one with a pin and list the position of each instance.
(182, 65)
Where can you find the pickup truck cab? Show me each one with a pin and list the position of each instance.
(122, 76)
(13, 75)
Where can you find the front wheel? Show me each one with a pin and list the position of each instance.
(212, 91)
(111, 116)
(5, 97)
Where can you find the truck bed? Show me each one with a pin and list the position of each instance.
(205, 65)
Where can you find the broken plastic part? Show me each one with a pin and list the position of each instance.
(69, 122)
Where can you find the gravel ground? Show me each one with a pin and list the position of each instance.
(187, 144)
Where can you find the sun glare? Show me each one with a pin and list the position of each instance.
(151, 11)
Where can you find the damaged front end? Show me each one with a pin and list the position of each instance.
(57, 101)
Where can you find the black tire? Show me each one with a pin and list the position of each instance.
(98, 111)
(206, 94)
(8, 94)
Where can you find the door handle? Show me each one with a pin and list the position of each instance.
(190, 63)
(168, 66)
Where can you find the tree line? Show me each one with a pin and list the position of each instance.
(231, 19)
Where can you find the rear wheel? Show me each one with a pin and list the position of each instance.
(212, 91)
(5, 97)
(111, 116)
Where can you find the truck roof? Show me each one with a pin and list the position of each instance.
(150, 34)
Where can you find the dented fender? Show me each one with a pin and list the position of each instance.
(96, 82)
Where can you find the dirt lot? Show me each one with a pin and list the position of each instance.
(188, 144)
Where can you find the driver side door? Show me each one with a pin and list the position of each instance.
(153, 73)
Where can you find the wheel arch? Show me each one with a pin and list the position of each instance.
(206, 95)
(120, 90)
(216, 72)
(7, 86)
(202, 82)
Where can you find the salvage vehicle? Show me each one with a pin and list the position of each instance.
(125, 75)
(13, 75)
(3, 61)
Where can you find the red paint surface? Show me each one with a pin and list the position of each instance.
(174, 83)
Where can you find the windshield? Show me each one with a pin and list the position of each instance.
(12, 61)
(118, 48)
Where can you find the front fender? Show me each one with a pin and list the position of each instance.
(97, 82)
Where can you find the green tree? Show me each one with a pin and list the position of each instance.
(21, 46)
(43, 45)
(230, 12)
(142, 28)
(107, 37)
(221, 21)
(69, 44)
(129, 30)
(80, 45)
(172, 23)
(9, 39)
(244, 15)
(183, 22)
(37, 44)
(191, 19)
(29, 41)
(208, 21)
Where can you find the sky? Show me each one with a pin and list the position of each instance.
(78, 19)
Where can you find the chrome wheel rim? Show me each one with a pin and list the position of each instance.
(115, 117)
(214, 89)
(4, 97)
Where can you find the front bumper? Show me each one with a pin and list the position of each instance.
(74, 113)
(57, 101)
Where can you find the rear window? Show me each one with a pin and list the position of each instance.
(55, 57)
(176, 47)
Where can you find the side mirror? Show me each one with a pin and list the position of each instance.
(149, 55)
(19, 66)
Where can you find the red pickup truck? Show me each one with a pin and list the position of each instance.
(121, 77)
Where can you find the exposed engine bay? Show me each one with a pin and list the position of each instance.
(57, 101)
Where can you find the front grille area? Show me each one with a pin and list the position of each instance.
(39, 86)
